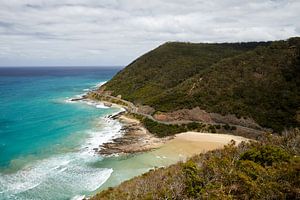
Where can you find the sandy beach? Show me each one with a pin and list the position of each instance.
(190, 143)
(137, 139)
(138, 151)
(180, 148)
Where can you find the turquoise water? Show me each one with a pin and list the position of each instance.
(46, 141)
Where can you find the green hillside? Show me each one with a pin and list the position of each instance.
(256, 80)
(169, 65)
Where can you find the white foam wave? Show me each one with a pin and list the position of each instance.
(78, 197)
(99, 84)
(101, 106)
(89, 102)
(106, 134)
(69, 100)
(95, 104)
(67, 174)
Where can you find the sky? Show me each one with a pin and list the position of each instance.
(115, 32)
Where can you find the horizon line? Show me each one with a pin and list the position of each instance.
(63, 66)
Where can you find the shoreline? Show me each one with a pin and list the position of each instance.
(169, 150)
(136, 138)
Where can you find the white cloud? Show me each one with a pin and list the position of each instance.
(98, 32)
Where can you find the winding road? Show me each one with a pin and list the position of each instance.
(131, 108)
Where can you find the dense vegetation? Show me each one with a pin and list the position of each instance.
(163, 130)
(256, 80)
(168, 65)
(268, 169)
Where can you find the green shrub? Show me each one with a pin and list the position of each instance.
(162, 130)
(195, 126)
(193, 182)
(192, 126)
(212, 129)
(251, 169)
(266, 155)
(226, 127)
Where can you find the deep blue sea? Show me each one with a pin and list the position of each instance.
(47, 141)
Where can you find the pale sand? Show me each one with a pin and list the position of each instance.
(181, 146)
(208, 137)
(187, 144)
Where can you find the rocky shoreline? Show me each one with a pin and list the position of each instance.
(135, 138)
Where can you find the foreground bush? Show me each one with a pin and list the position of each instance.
(268, 169)
(266, 155)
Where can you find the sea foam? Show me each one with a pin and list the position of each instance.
(66, 174)
(46, 148)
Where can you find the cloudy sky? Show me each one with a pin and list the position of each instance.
(114, 32)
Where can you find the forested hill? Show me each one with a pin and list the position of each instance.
(258, 80)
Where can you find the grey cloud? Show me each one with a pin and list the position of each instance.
(33, 6)
(5, 24)
(98, 32)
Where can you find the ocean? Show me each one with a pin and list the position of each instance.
(47, 141)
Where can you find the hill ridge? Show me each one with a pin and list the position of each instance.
(164, 77)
